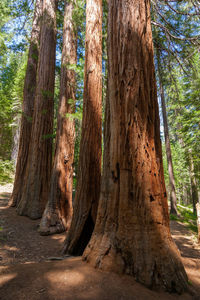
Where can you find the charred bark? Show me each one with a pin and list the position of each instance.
(58, 212)
(89, 175)
(173, 198)
(28, 104)
(132, 232)
(36, 182)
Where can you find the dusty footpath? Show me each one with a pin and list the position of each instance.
(32, 268)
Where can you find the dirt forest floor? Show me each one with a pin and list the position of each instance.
(32, 268)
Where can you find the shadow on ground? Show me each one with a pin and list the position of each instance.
(19, 239)
(26, 274)
(185, 240)
(71, 279)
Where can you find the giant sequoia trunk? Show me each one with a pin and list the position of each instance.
(28, 104)
(58, 211)
(89, 176)
(173, 199)
(39, 165)
(132, 232)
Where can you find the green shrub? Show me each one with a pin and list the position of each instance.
(187, 217)
(6, 171)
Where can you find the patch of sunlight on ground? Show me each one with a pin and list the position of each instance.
(59, 238)
(6, 188)
(3, 208)
(194, 276)
(4, 278)
(72, 278)
(9, 248)
(192, 268)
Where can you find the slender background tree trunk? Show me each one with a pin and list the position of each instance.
(132, 232)
(16, 136)
(194, 189)
(198, 220)
(173, 199)
(89, 176)
(38, 171)
(58, 212)
(28, 104)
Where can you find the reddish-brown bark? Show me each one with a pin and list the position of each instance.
(132, 232)
(58, 212)
(39, 165)
(28, 104)
(89, 176)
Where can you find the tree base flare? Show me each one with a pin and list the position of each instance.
(12, 202)
(159, 270)
(52, 223)
(28, 210)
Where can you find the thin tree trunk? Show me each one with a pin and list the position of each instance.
(38, 171)
(194, 189)
(16, 136)
(185, 195)
(28, 104)
(89, 176)
(198, 220)
(132, 232)
(189, 194)
(173, 198)
(58, 212)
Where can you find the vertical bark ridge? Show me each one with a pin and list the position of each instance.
(132, 232)
(58, 212)
(39, 165)
(89, 174)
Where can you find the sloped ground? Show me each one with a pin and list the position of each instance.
(28, 269)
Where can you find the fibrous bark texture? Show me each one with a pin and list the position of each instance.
(132, 233)
(28, 104)
(39, 165)
(89, 176)
(58, 212)
(173, 199)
